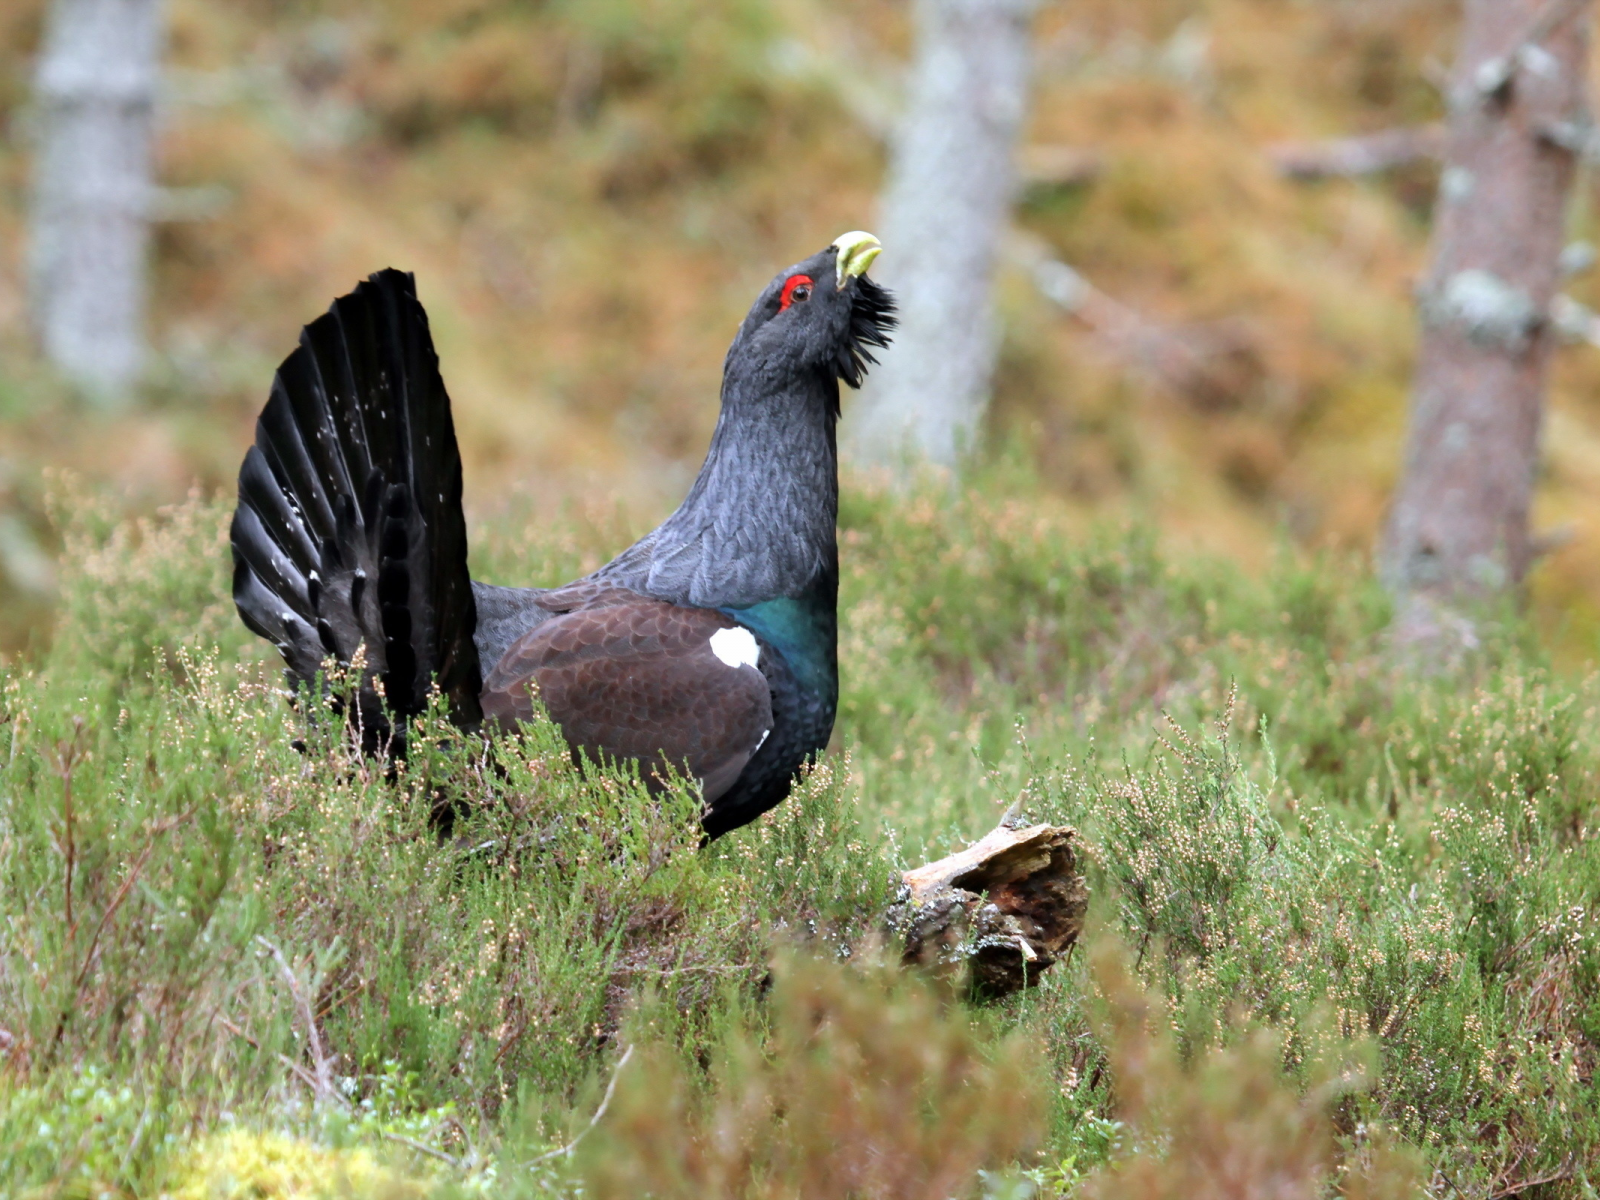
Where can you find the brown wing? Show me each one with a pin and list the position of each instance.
(639, 680)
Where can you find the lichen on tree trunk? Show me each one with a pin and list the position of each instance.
(1458, 533)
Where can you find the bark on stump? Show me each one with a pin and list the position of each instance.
(1001, 911)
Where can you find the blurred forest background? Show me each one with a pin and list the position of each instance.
(590, 192)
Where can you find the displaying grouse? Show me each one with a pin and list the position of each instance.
(707, 647)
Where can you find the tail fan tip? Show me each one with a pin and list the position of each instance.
(349, 531)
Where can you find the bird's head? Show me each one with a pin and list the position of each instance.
(821, 314)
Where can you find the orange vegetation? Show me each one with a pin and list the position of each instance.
(591, 190)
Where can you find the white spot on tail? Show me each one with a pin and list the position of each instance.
(765, 733)
(736, 647)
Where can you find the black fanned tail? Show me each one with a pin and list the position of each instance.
(349, 531)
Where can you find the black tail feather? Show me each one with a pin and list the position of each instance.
(349, 531)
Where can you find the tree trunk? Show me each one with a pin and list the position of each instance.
(946, 207)
(1458, 531)
(95, 102)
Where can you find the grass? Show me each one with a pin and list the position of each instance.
(1357, 910)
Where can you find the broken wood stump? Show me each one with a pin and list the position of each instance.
(1002, 911)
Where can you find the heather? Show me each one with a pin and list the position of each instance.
(1343, 914)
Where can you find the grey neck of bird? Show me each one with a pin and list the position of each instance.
(760, 521)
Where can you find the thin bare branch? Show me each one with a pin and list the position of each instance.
(90, 954)
(1046, 165)
(299, 1072)
(1364, 154)
(421, 1148)
(1195, 365)
(1493, 75)
(1523, 1185)
(323, 1083)
(605, 1103)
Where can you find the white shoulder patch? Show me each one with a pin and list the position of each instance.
(737, 646)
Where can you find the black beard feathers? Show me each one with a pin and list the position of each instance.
(871, 318)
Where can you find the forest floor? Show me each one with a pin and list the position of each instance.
(1344, 918)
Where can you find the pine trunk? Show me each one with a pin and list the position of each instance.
(1458, 534)
(95, 104)
(945, 209)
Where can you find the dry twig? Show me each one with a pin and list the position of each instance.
(605, 1103)
(322, 1085)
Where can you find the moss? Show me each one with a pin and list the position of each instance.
(244, 1165)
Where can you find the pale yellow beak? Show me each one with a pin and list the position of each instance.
(856, 250)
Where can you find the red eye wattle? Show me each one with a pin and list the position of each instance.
(796, 287)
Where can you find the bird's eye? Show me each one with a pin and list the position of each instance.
(796, 287)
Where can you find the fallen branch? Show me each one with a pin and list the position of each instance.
(1003, 910)
(1517, 1189)
(1364, 154)
(1211, 368)
(1046, 165)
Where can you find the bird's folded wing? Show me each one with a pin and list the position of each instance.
(641, 680)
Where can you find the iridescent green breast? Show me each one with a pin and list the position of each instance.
(804, 629)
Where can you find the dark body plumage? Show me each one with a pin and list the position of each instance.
(708, 647)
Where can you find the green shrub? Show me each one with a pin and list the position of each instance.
(210, 930)
(856, 1081)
